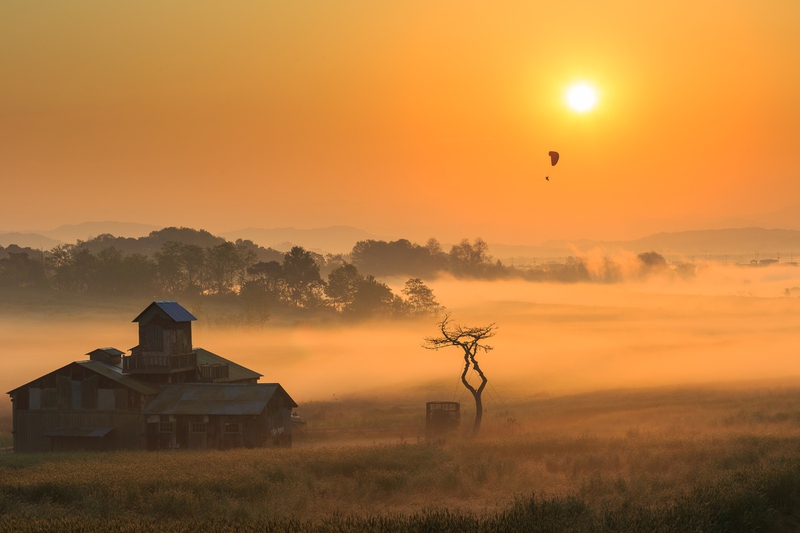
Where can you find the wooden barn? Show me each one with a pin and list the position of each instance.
(166, 395)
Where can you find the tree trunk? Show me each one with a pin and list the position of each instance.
(478, 413)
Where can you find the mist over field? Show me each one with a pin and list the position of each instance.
(727, 324)
(607, 190)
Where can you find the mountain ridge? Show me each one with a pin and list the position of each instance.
(332, 239)
(736, 242)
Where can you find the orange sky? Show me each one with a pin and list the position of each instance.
(410, 118)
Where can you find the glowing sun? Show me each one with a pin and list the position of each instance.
(581, 97)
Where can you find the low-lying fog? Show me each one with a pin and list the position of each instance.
(727, 324)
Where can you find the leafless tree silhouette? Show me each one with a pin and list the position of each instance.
(469, 340)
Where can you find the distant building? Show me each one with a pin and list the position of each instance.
(167, 394)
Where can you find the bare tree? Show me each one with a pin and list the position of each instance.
(469, 340)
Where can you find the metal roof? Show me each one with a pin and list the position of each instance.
(115, 372)
(236, 372)
(110, 350)
(175, 311)
(215, 399)
(79, 432)
(108, 370)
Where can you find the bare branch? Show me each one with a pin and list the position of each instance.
(458, 335)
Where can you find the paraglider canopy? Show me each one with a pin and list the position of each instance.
(553, 158)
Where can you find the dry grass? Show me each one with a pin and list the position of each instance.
(603, 452)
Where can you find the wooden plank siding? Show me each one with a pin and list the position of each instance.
(76, 397)
(135, 431)
(30, 427)
(220, 431)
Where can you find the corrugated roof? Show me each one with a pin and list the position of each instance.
(115, 372)
(110, 350)
(108, 370)
(79, 432)
(175, 311)
(236, 372)
(215, 399)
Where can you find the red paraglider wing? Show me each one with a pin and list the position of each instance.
(553, 158)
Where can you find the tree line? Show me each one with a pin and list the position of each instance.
(261, 280)
(183, 262)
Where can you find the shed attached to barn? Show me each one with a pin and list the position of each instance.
(207, 415)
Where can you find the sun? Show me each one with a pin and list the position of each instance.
(582, 97)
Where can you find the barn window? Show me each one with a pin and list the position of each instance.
(198, 427)
(165, 427)
(233, 427)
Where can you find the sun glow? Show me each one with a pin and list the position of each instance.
(581, 97)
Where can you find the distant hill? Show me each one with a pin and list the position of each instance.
(786, 218)
(734, 244)
(153, 242)
(720, 241)
(333, 239)
(70, 233)
(738, 244)
(14, 249)
(28, 240)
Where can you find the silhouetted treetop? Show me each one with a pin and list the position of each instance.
(652, 260)
(420, 299)
(343, 282)
(301, 273)
(399, 257)
(473, 260)
(152, 243)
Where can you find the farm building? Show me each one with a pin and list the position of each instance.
(166, 395)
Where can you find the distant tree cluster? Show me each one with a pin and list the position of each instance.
(576, 269)
(572, 270)
(260, 280)
(182, 262)
(401, 257)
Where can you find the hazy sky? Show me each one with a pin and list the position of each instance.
(414, 117)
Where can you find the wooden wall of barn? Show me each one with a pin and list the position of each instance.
(76, 397)
(30, 427)
(271, 427)
(279, 421)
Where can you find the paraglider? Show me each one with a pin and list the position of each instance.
(553, 161)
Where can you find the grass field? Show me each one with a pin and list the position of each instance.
(696, 459)
(660, 457)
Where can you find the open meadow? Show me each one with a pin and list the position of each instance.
(692, 459)
(400, 266)
(650, 405)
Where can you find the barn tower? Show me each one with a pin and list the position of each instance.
(164, 353)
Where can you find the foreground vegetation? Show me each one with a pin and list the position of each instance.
(743, 484)
(603, 462)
